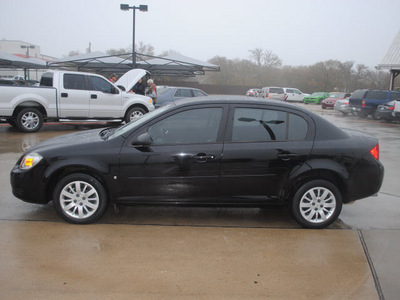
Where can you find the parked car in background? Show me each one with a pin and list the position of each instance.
(316, 97)
(67, 95)
(343, 106)
(168, 94)
(386, 112)
(253, 92)
(7, 82)
(294, 95)
(365, 102)
(18, 77)
(210, 151)
(333, 97)
(272, 93)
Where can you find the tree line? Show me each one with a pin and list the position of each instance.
(264, 68)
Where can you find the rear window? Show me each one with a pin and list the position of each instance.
(276, 90)
(47, 79)
(380, 95)
(359, 94)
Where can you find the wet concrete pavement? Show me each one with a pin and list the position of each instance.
(201, 253)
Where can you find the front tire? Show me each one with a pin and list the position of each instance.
(80, 199)
(29, 120)
(316, 204)
(134, 113)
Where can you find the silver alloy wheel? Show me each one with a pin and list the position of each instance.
(317, 204)
(79, 199)
(30, 120)
(135, 115)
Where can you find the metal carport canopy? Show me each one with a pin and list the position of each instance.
(172, 65)
(10, 61)
(391, 60)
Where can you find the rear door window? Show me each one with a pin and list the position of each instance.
(395, 96)
(74, 82)
(380, 95)
(262, 125)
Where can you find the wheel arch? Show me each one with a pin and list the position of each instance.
(30, 104)
(57, 174)
(332, 175)
(135, 105)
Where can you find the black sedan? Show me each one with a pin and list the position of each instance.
(214, 151)
(167, 94)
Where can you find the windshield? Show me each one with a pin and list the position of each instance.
(162, 90)
(318, 94)
(337, 95)
(129, 126)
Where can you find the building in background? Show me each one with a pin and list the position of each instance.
(25, 50)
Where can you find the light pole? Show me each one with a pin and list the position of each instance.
(141, 8)
(27, 47)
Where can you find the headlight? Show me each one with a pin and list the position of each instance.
(30, 160)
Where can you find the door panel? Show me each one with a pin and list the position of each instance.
(73, 96)
(262, 148)
(103, 103)
(182, 161)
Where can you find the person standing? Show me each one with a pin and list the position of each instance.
(151, 90)
(113, 78)
(139, 87)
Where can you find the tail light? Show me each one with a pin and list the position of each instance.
(391, 108)
(375, 151)
(267, 96)
(363, 103)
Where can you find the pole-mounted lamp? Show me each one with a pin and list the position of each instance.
(134, 8)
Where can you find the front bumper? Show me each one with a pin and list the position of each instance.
(28, 185)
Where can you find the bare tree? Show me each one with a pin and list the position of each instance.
(265, 58)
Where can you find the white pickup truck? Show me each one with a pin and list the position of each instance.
(64, 95)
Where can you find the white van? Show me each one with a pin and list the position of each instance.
(294, 95)
(272, 93)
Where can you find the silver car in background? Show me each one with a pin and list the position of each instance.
(342, 105)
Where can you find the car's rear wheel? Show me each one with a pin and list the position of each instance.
(29, 120)
(316, 204)
(80, 199)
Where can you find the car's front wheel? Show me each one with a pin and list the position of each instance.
(80, 199)
(316, 204)
(133, 114)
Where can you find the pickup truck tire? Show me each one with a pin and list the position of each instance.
(29, 120)
(134, 113)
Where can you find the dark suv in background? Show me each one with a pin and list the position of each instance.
(365, 102)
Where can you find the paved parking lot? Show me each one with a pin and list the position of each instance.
(201, 253)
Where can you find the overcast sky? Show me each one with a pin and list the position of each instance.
(300, 32)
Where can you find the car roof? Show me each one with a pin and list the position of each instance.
(229, 99)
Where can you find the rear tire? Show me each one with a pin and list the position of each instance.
(29, 120)
(316, 204)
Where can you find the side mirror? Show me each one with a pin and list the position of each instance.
(142, 140)
(121, 88)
